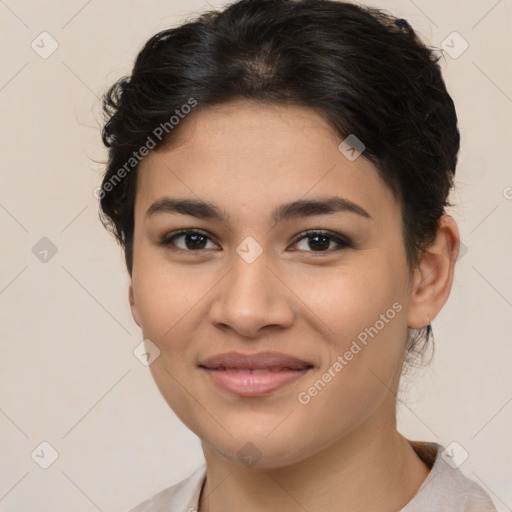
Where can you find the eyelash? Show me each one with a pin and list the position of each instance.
(342, 241)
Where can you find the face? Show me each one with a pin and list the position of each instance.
(299, 253)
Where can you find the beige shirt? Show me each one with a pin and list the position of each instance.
(444, 490)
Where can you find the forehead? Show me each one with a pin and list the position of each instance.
(247, 155)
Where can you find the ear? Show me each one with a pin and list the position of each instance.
(133, 304)
(433, 276)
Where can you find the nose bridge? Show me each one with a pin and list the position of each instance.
(251, 274)
(251, 297)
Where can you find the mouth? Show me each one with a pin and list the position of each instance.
(252, 375)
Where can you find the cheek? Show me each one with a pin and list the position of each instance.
(348, 301)
(361, 364)
(166, 297)
(362, 312)
(168, 303)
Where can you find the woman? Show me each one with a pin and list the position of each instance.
(278, 175)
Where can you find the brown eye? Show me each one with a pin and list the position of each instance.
(187, 240)
(320, 241)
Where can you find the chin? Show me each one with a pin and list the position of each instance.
(260, 447)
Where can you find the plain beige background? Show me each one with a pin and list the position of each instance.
(68, 374)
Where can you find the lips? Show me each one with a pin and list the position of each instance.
(272, 361)
(252, 375)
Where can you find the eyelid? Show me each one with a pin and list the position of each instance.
(167, 239)
(343, 241)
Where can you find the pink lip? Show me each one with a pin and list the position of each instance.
(252, 375)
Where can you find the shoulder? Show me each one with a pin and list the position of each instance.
(183, 496)
(446, 488)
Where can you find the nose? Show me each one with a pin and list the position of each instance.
(252, 300)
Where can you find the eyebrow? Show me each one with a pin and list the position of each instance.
(293, 209)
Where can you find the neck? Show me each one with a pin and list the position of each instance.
(371, 469)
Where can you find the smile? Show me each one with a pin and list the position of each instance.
(252, 383)
(252, 375)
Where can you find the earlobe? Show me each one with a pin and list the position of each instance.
(433, 276)
(133, 305)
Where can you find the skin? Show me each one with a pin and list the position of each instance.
(340, 451)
